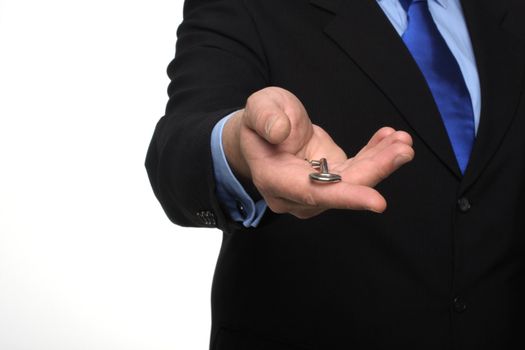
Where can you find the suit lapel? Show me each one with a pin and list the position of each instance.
(500, 61)
(362, 30)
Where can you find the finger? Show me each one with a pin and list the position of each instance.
(378, 137)
(356, 200)
(394, 137)
(301, 211)
(341, 195)
(369, 171)
(315, 204)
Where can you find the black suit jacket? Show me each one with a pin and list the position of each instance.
(442, 268)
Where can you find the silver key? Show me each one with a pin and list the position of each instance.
(323, 175)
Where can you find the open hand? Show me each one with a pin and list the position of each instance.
(268, 141)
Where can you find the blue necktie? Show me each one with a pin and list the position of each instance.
(443, 76)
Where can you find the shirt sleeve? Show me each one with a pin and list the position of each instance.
(237, 202)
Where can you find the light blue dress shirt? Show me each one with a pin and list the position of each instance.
(450, 21)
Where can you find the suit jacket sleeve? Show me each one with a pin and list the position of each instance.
(219, 62)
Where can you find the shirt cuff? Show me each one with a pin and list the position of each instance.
(238, 203)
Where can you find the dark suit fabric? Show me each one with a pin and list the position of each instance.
(426, 274)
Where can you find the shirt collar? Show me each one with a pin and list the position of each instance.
(443, 3)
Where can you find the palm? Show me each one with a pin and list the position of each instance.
(275, 136)
(284, 167)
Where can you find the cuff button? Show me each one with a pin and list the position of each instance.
(241, 209)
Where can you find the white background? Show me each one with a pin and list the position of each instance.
(88, 260)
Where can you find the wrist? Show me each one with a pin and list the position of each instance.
(231, 145)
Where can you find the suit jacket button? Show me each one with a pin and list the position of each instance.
(459, 305)
(464, 205)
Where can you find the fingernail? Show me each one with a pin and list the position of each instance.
(269, 124)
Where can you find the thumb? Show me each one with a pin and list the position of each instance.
(277, 127)
(264, 115)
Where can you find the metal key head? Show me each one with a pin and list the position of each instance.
(324, 175)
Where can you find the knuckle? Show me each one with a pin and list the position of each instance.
(385, 131)
(403, 137)
(401, 148)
